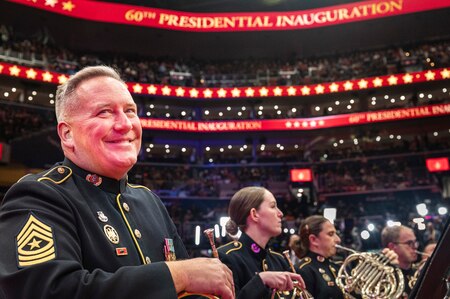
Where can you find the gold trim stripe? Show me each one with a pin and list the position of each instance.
(130, 229)
(56, 182)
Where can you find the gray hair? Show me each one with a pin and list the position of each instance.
(64, 94)
(392, 234)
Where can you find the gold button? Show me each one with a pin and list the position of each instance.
(61, 170)
(126, 207)
(147, 260)
(137, 233)
(266, 267)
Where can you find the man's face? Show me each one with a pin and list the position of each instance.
(405, 247)
(103, 134)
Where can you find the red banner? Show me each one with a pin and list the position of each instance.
(437, 164)
(301, 175)
(243, 92)
(297, 124)
(236, 21)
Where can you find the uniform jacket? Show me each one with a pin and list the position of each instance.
(246, 259)
(67, 233)
(319, 274)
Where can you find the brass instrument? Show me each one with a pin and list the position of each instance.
(369, 275)
(210, 235)
(419, 266)
(297, 292)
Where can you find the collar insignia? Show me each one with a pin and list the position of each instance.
(321, 270)
(35, 243)
(326, 277)
(94, 179)
(111, 234)
(320, 258)
(102, 217)
(255, 248)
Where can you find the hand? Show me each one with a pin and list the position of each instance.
(203, 275)
(391, 255)
(282, 281)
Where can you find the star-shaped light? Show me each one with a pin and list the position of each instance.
(277, 91)
(445, 73)
(193, 93)
(296, 124)
(14, 71)
(292, 91)
(250, 92)
(207, 93)
(222, 93)
(235, 92)
(362, 84)
(62, 79)
(305, 90)
(305, 124)
(152, 89)
(166, 90)
(407, 78)
(392, 80)
(1, 68)
(321, 122)
(51, 3)
(137, 88)
(69, 6)
(288, 124)
(430, 75)
(334, 87)
(319, 89)
(35, 244)
(313, 123)
(47, 77)
(348, 85)
(264, 92)
(31, 74)
(377, 82)
(180, 91)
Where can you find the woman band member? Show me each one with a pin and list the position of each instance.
(317, 244)
(258, 272)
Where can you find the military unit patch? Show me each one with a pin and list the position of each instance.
(111, 233)
(35, 243)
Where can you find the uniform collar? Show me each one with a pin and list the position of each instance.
(317, 257)
(106, 184)
(252, 246)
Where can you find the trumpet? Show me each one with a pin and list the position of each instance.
(370, 275)
(297, 292)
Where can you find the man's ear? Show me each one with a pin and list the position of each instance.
(65, 134)
(390, 245)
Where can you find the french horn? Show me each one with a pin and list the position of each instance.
(370, 275)
(297, 292)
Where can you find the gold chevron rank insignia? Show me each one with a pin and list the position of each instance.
(35, 243)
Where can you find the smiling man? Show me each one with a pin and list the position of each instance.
(80, 229)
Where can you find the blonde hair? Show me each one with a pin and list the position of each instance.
(65, 101)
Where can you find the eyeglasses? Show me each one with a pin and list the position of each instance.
(410, 243)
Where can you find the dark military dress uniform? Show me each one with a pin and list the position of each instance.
(408, 274)
(320, 274)
(67, 233)
(246, 259)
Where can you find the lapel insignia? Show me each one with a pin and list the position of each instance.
(35, 243)
(94, 179)
(111, 234)
(255, 248)
(102, 217)
(321, 270)
(320, 258)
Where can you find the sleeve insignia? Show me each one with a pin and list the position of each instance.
(35, 243)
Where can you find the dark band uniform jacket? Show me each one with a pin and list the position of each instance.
(246, 259)
(67, 233)
(319, 274)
